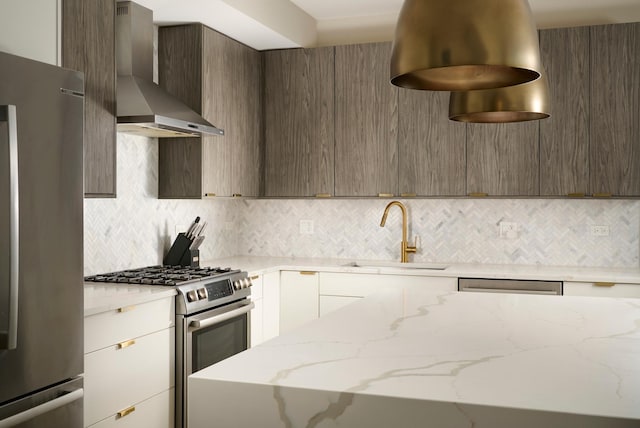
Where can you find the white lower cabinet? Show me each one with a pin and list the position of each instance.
(129, 370)
(271, 305)
(154, 412)
(601, 289)
(337, 289)
(332, 303)
(298, 298)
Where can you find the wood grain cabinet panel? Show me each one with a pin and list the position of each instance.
(220, 79)
(615, 109)
(432, 149)
(299, 122)
(88, 45)
(564, 137)
(503, 159)
(366, 118)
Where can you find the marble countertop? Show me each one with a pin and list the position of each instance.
(259, 265)
(415, 357)
(101, 297)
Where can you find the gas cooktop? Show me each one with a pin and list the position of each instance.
(161, 275)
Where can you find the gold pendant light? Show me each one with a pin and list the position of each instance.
(461, 45)
(520, 103)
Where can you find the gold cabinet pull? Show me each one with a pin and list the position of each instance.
(307, 272)
(323, 195)
(576, 195)
(125, 412)
(602, 195)
(237, 195)
(125, 344)
(408, 195)
(604, 284)
(478, 194)
(209, 194)
(255, 277)
(385, 195)
(126, 309)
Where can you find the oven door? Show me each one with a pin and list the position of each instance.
(215, 335)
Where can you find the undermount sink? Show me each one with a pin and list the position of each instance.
(396, 265)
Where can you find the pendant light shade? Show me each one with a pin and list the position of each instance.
(520, 103)
(460, 45)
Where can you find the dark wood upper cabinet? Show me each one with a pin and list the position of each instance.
(88, 45)
(503, 159)
(366, 118)
(220, 79)
(431, 148)
(564, 137)
(299, 122)
(615, 109)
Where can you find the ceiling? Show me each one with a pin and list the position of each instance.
(275, 24)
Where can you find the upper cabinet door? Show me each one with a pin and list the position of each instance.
(299, 123)
(366, 118)
(432, 152)
(615, 109)
(564, 137)
(503, 159)
(88, 45)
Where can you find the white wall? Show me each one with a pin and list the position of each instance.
(32, 29)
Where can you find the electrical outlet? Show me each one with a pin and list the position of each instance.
(600, 230)
(508, 230)
(306, 227)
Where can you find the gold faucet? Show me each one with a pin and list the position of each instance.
(405, 247)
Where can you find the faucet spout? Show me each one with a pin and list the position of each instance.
(405, 247)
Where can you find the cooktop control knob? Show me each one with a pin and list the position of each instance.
(202, 293)
(192, 296)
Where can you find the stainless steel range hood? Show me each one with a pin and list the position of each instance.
(143, 107)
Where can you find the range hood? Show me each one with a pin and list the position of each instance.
(144, 108)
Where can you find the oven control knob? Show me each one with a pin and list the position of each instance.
(249, 283)
(237, 285)
(202, 293)
(192, 296)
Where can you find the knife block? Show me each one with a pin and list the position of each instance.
(191, 258)
(179, 252)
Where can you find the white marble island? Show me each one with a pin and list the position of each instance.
(414, 358)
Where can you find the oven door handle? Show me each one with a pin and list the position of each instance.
(207, 322)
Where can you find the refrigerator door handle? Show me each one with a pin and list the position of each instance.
(9, 327)
(34, 412)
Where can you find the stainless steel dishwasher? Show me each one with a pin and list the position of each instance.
(515, 286)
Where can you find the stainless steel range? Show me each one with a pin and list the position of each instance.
(213, 316)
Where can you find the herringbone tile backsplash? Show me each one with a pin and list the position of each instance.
(136, 228)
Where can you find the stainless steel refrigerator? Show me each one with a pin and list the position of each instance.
(41, 194)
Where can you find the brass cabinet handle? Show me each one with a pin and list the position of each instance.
(323, 195)
(307, 272)
(125, 344)
(209, 194)
(478, 194)
(602, 195)
(576, 195)
(408, 195)
(385, 195)
(604, 284)
(125, 412)
(126, 309)
(255, 277)
(237, 195)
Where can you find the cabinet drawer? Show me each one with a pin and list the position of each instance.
(155, 412)
(360, 285)
(601, 289)
(108, 328)
(117, 377)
